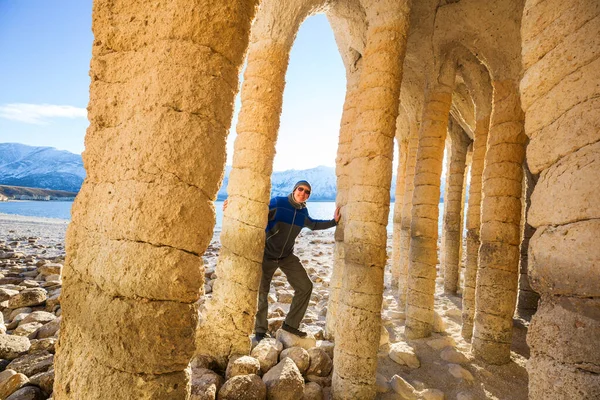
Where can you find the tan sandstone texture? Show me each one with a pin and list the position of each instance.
(507, 91)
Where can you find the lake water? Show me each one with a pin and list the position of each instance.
(62, 210)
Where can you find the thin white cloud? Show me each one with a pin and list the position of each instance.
(39, 113)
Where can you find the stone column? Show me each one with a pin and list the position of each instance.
(463, 211)
(473, 226)
(230, 314)
(163, 81)
(409, 185)
(527, 301)
(402, 141)
(343, 185)
(561, 99)
(368, 205)
(498, 272)
(422, 257)
(453, 199)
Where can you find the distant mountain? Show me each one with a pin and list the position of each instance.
(322, 180)
(40, 167)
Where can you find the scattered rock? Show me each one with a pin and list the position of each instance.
(381, 384)
(403, 354)
(403, 388)
(33, 363)
(299, 356)
(284, 381)
(10, 382)
(27, 393)
(454, 356)
(49, 329)
(313, 391)
(12, 346)
(243, 387)
(244, 365)
(291, 340)
(432, 394)
(39, 316)
(320, 362)
(267, 353)
(460, 373)
(28, 330)
(45, 380)
(28, 297)
(441, 342)
(205, 384)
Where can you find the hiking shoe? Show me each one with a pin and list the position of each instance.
(292, 330)
(258, 336)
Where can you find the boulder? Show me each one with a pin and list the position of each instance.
(313, 391)
(403, 354)
(299, 356)
(49, 329)
(39, 316)
(327, 346)
(320, 362)
(323, 381)
(290, 340)
(12, 346)
(10, 382)
(33, 363)
(244, 365)
(267, 353)
(50, 269)
(284, 381)
(27, 393)
(381, 384)
(45, 380)
(28, 297)
(403, 388)
(205, 384)
(243, 387)
(29, 330)
(441, 342)
(454, 356)
(47, 344)
(460, 373)
(6, 294)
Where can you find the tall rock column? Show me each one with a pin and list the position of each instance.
(409, 185)
(473, 226)
(230, 314)
(561, 99)
(163, 81)
(498, 272)
(402, 129)
(368, 205)
(343, 186)
(422, 257)
(453, 201)
(528, 298)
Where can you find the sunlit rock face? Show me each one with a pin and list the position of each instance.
(496, 88)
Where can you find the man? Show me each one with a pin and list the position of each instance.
(287, 216)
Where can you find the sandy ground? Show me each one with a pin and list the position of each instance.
(315, 249)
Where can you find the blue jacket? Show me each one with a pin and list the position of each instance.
(285, 223)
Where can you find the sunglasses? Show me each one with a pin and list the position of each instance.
(301, 189)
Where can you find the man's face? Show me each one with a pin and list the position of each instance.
(301, 194)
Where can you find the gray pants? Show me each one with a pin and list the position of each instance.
(298, 279)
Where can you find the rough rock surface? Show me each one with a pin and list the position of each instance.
(284, 381)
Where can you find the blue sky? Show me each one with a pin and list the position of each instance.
(44, 83)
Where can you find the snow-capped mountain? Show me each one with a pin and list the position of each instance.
(40, 167)
(322, 180)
